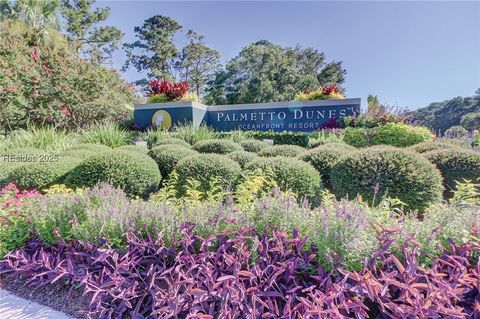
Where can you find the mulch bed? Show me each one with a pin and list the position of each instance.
(53, 296)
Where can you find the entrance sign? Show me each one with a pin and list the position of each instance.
(296, 116)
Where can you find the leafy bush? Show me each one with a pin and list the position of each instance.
(401, 135)
(242, 157)
(253, 146)
(379, 171)
(324, 157)
(281, 150)
(50, 84)
(12, 158)
(206, 168)
(14, 221)
(281, 138)
(167, 156)
(431, 146)
(103, 212)
(394, 134)
(109, 134)
(292, 174)
(217, 146)
(136, 174)
(456, 131)
(358, 136)
(171, 140)
(40, 175)
(456, 165)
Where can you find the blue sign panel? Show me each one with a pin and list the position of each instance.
(305, 116)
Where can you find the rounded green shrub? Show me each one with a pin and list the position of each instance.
(133, 148)
(167, 156)
(358, 136)
(85, 150)
(293, 174)
(172, 140)
(431, 146)
(205, 168)
(242, 157)
(254, 146)
(40, 175)
(401, 135)
(455, 165)
(394, 134)
(217, 146)
(136, 174)
(12, 158)
(323, 157)
(282, 150)
(380, 170)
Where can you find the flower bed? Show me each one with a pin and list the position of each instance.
(224, 276)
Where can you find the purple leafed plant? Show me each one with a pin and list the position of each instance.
(243, 274)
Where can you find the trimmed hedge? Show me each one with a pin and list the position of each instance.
(401, 135)
(136, 174)
(385, 170)
(41, 175)
(431, 146)
(292, 173)
(204, 168)
(290, 138)
(217, 146)
(22, 156)
(394, 134)
(282, 150)
(171, 140)
(324, 157)
(167, 156)
(254, 146)
(85, 150)
(455, 165)
(242, 157)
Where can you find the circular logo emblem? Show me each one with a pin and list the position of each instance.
(161, 119)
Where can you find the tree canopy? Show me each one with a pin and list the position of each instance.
(440, 116)
(95, 42)
(266, 72)
(154, 50)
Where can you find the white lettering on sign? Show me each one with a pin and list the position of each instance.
(297, 114)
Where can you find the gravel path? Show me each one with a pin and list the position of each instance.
(13, 307)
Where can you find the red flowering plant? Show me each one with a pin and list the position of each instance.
(14, 222)
(331, 89)
(166, 91)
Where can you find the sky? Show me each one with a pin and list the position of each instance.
(409, 53)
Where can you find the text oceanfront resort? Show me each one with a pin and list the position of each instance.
(300, 116)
